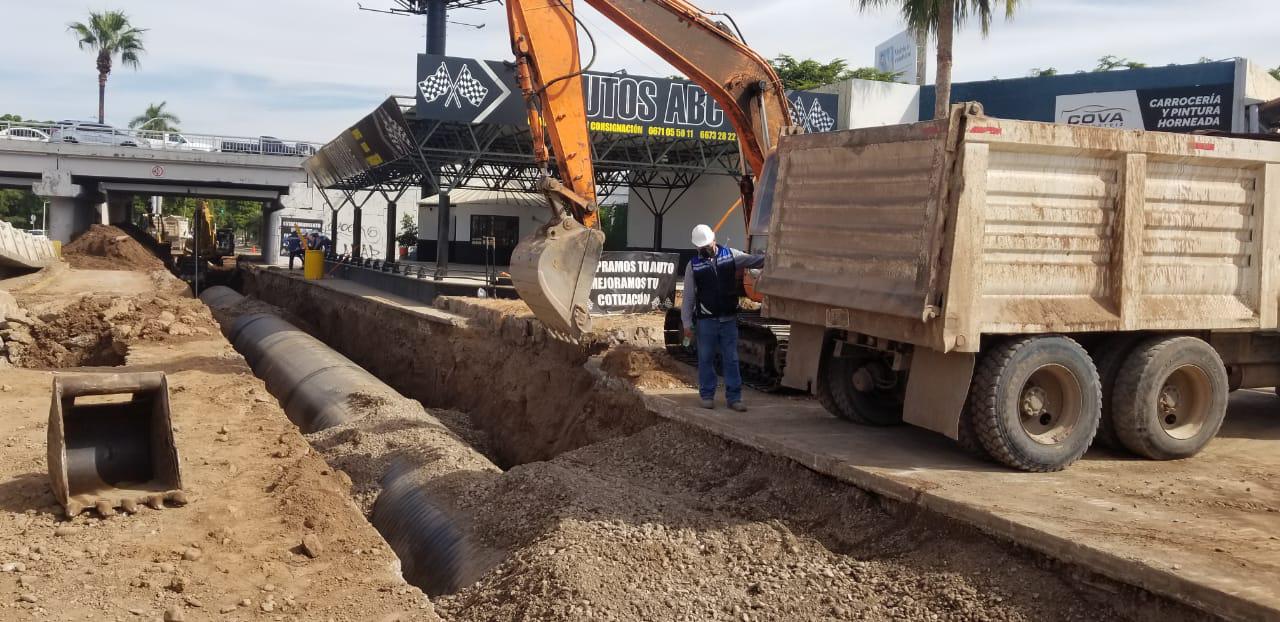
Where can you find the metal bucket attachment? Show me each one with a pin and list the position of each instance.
(111, 442)
(552, 270)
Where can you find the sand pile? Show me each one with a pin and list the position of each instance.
(104, 247)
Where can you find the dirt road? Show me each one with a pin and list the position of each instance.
(256, 488)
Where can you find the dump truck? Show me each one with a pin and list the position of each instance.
(1025, 287)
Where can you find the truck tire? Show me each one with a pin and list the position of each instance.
(1108, 356)
(1035, 402)
(839, 394)
(1170, 398)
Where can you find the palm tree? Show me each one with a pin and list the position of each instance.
(109, 34)
(156, 118)
(940, 17)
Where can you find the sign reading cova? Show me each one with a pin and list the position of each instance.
(1179, 109)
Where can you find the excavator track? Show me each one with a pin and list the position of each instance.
(762, 348)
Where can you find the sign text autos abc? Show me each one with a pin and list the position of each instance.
(614, 100)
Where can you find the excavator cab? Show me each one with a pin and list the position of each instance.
(552, 270)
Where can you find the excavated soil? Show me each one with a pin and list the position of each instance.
(673, 524)
(530, 395)
(647, 368)
(97, 329)
(256, 489)
(104, 247)
(638, 520)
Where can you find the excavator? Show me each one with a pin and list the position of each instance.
(552, 269)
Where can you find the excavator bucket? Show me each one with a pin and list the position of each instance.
(552, 270)
(111, 442)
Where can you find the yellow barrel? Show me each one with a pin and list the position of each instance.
(313, 265)
(57, 248)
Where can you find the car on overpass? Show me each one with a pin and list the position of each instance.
(177, 142)
(90, 133)
(24, 133)
(265, 145)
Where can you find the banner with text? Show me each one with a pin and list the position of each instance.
(633, 282)
(898, 55)
(1177, 109)
(469, 90)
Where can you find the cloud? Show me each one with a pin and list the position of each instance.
(305, 69)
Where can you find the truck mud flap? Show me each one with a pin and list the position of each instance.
(937, 388)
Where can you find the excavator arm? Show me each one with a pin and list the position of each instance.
(553, 268)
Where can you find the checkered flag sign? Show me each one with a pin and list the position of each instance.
(819, 120)
(437, 85)
(799, 117)
(442, 84)
(470, 88)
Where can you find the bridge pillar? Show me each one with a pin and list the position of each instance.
(63, 214)
(392, 245)
(270, 237)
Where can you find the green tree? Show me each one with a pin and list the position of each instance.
(613, 221)
(157, 119)
(1111, 62)
(802, 75)
(18, 206)
(108, 34)
(871, 73)
(942, 17)
(408, 231)
(1275, 73)
(1043, 73)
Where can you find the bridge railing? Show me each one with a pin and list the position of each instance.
(151, 139)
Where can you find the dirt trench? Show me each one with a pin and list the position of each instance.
(530, 396)
(606, 512)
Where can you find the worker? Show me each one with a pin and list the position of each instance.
(711, 298)
(294, 245)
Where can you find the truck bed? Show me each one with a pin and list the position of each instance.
(937, 233)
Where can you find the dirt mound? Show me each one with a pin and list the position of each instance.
(96, 330)
(104, 247)
(647, 368)
(674, 524)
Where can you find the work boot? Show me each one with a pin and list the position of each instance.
(738, 406)
(708, 404)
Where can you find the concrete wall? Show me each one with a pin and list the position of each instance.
(530, 209)
(704, 203)
(305, 201)
(868, 103)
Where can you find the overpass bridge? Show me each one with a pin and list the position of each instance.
(87, 183)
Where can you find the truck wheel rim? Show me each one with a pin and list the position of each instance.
(1182, 406)
(1049, 404)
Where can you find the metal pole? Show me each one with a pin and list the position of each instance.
(442, 237)
(436, 15)
(392, 243)
(195, 265)
(357, 224)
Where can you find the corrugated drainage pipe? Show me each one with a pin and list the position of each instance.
(315, 384)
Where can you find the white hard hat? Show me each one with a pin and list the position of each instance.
(703, 236)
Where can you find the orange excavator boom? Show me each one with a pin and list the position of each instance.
(553, 268)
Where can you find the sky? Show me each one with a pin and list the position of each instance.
(306, 69)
